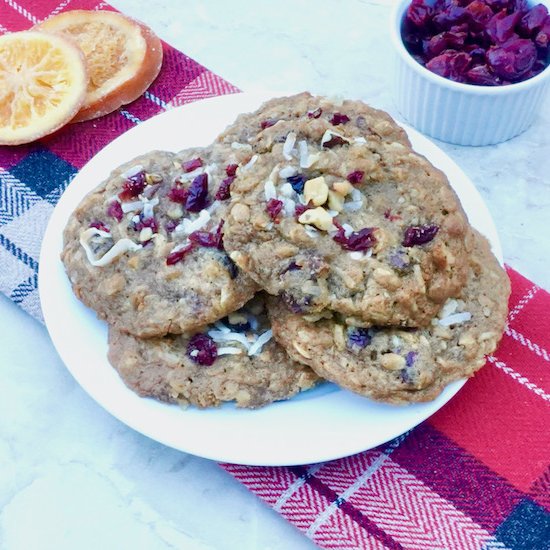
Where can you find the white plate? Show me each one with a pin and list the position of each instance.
(322, 424)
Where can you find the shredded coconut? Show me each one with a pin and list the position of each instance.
(119, 248)
(133, 171)
(263, 339)
(455, 319)
(269, 190)
(289, 145)
(250, 163)
(287, 172)
(228, 350)
(186, 226)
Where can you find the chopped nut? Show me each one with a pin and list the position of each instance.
(392, 361)
(487, 311)
(339, 338)
(145, 234)
(318, 217)
(343, 187)
(175, 212)
(466, 340)
(240, 212)
(153, 178)
(386, 278)
(176, 164)
(301, 350)
(316, 191)
(335, 201)
(237, 319)
(486, 336)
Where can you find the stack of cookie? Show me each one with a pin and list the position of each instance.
(308, 241)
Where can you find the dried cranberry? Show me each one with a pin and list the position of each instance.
(202, 349)
(223, 190)
(356, 176)
(274, 208)
(292, 266)
(299, 209)
(197, 199)
(419, 13)
(410, 358)
(339, 118)
(170, 226)
(178, 194)
(133, 186)
(542, 40)
(450, 64)
(147, 222)
(178, 255)
(191, 165)
(298, 181)
(501, 26)
(315, 114)
(333, 141)
(399, 260)
(482, 76)
(513, 59)
(207, 239)
(419, 234)
(444, 41)
(268, 123)
(96, 224)
(115, 211)
(452, 16)
(480, 13)
(358, 338)
(296, 305)
(231, 169)
(357, 240)
(533, 20)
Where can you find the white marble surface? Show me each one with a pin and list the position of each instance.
(71, 476)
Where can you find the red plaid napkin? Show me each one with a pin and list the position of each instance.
(474, 476)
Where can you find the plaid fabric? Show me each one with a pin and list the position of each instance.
(32, 177)
(474, 476)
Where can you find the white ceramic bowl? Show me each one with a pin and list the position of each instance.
(461, 113)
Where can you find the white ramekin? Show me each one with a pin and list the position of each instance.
(461, 113)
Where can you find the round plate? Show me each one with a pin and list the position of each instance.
(321, 424)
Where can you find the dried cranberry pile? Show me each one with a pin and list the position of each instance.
(483, 42)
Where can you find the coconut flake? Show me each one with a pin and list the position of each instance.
(348, 229)
(286, 190)
(228, 350)
(188, 176)
(287, 172)
(250, 163)
(353, 206)
(148, 206)
(263, 339)
(356, 195)
(289, 145)
(236, 145)
(333, 213)
(289, 206)
(448, 308)
(304, 153)
(186, 226)
(133, 171)
(360, 140)
(455, 319)
(269, 190)
(219, 336)
(311, 231)
(221, 327)
(119, 248)
(131, 206)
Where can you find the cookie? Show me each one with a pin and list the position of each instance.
(353, 119)
(369, 229)
(145, 248)
(236, 359)
(401, 366)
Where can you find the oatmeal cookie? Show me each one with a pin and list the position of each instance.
(234, 359)
(406, 365)
(352, 118)
(145, 248)
(371, 230)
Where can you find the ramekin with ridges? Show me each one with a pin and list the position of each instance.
(459, 113)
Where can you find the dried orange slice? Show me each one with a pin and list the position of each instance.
(123, 56)
(43, 83)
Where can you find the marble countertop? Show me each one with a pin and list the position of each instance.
(71, 476)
